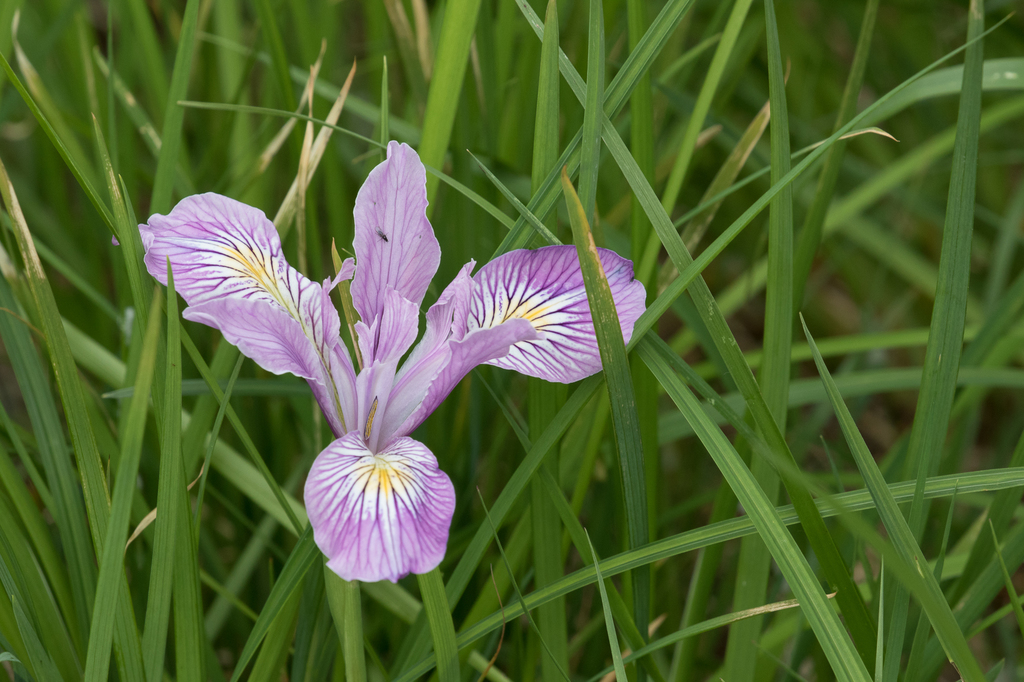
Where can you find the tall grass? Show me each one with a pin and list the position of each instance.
(825, 202)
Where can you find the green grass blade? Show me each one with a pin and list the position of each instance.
(30, 587)
(754, 560)
(620, 392)
(923, 627)
(945, 341)
(850, 601)
(214, 432)
(148, 44)
(845, 661)
(900, 532)
(435, 605)
(140, 118)
(613, 639)
(879, 643)
(734, 528)
(81, 174)
(236, 423)
(545, 134)
(87, 454)
(616, 95)
(174, 116)
(43, 665)
(65, 502)
(170, 483)
(303, 557)
(1010, 591)
(519, 594)
(810, 232)
(111, 563)
(695, 124)
(1000, 513)
(35, 526)
(234, 467)
(446, 85)
(344, 600)
(385, 133)
(274, 652)
(544, 399)
(590, 147)
(641, 141)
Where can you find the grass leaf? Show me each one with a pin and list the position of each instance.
(174, 116)
(900, 532)
(625, 421)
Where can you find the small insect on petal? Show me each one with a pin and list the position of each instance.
(380, 233)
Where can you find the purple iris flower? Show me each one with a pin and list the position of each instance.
(379, 505)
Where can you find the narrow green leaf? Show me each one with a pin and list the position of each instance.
(641, 141)
(271, 37)
(214, 433)
(879, 648)
(734, 528)
(112, 561)
(446, 85)
(613, 639)
(945, 341)
(977, 599)
(87, 454)
(346, 608)
(519, 594)
(147, 43)
(842, 655)
(545, 399)
(42, 663)
(435, 605)
(810, 233)
(174, 115)
(900, 533)
(385, 133)
(65, 501)
(30, 587)
(236, 424)
(545, 134)
(923, 626)
(700, 110)
(699, 628)
(1000, 513)
(754, 560)
(81, 175)
(1010, 591)
(619, 379)
(248, 478)
(274, 652)
(616, 95)
(590, 146)
(36, 528)
(169, 484)
(303, 557)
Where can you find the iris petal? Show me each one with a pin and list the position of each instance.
(545, 287)
(379, 516)
(230, 269)
(394, 243)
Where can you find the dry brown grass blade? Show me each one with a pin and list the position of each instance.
(286, 213)
(307, 97)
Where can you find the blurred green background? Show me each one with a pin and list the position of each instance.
(899, 246)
